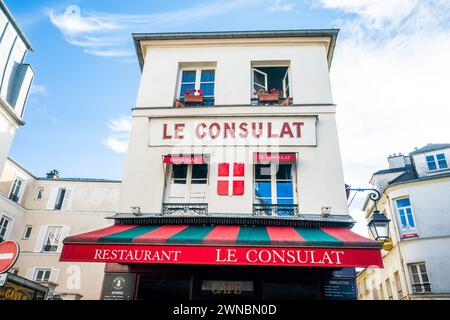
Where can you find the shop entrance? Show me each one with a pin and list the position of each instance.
(235, 283)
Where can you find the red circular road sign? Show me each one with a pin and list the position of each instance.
(9, 251)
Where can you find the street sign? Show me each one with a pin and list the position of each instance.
(9, 251)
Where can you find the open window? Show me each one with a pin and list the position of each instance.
(270, 80)
(187, 183)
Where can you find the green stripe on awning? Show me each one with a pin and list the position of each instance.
(316, 236)
(127, 236)
(249, 235)
(192, 234)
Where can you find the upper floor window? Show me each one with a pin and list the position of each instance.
(39, 193)
(389, 289)
(398, 285)
(5, 224)
(275, 189)
(270, 85)
(60, 198)
(42, 275)
(436, 162)
(408, 225)
(419, 278)
(197, 86)
(52, 239)
(15, 191)
(187, 183)
(27, 232)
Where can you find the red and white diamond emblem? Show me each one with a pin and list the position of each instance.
(230, 182)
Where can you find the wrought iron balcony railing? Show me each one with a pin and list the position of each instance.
(275, 209)
(185, 209)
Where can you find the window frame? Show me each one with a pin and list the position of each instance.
(39, 193)
(398, 285)
(436, 162)
(389, 289)
(27, 227)
(256, 65)
(187, 198)
(407, 219)
(198, 82)
(274, 181)
(14, 186)
(423, 285)
(53, 247)
(44, 271)
(7, 229)
(58, 198)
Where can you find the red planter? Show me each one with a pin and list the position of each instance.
(268, 97)
(193, 98)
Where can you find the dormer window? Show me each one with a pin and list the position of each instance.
(436, 162)
(197, 82)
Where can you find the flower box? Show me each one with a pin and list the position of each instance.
(268, 97)
(190, 98)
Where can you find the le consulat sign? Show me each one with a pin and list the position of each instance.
(211, 131)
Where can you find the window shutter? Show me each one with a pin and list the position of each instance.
(64, 233)
(30, 273)
(54, 275)
(40, 238)
(67, 202)
(52, 198)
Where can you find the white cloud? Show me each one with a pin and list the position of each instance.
(38, 89)
(108, 34)
(280, 6)
(390, 79)
(120, 129)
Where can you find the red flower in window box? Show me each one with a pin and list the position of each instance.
(265, 96)
(193, 96)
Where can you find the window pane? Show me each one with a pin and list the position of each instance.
(285, 190)
(263, 190)
(207, 89)
(259, 79)
(403, 217)
(410, 217)
(179, 171)
(199, 171)
(285, 201)
(284, 172)
(262, 171)
(188, 76)
(431, 163)
(186, 87)
(207, 76)
(178, 190)
(403, 202)
(442, 162)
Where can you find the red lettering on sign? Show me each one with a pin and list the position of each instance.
(197, 130)
(179, 127)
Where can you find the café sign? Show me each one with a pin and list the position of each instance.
(245, 131)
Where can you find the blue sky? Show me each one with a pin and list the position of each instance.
(389, 75)
(76, 93)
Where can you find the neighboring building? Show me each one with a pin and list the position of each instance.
(415, 197)
(231, 192)
(39, 213)
(15, 79)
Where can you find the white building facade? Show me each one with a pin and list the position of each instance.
(233, 171)
(16, 77)
(415, 192)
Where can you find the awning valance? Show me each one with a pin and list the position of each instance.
(274, 157)
(223, 245)
(184, 159)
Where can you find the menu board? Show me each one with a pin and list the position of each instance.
(118, 286)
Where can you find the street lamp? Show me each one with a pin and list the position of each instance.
(379, 226)
(379, 223)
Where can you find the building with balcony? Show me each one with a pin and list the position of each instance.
(15, 79)
(414, 190)
(233, 184)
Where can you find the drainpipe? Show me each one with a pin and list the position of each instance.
(394, 217)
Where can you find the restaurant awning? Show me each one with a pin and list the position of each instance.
(223, 245)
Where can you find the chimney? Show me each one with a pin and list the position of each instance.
(54, 174)
(396, 161)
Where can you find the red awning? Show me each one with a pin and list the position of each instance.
(274, 157)
(184, 159)
(224, 245)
